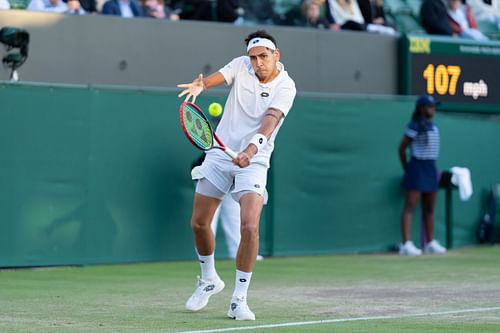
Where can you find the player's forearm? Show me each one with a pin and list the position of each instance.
(269, 124)
(213, 80)
(267, 128)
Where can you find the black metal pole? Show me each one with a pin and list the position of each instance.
(448, 218)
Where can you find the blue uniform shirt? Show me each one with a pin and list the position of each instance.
(425, 140)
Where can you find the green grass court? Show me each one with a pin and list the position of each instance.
(458, 292)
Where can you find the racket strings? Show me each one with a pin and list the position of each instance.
(198, 128)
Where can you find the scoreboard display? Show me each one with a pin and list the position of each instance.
(464, 75)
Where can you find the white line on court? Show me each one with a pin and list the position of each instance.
(343, 320)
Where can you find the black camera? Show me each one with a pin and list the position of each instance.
(14, 38)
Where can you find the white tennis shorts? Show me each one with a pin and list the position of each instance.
(230, 178)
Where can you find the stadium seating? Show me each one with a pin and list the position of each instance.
(407, 23)
(414, 6)
(396, 7)
(405, 16)
(19, 4)
(490, 29)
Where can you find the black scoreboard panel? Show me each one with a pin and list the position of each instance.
(464, 77)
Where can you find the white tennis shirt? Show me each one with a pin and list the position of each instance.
(247, 103)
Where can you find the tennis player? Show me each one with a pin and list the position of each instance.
(261, 96)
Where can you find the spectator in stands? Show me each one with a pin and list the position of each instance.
(486, 10)
(158, 10)
(229, 11)
(420, 175)
(434, 18)
(193, 9)
(347, 14)
(373, 11)
(462, 21)
(4, 4)
(311, 13)
(89, 6)
(54, 6)
(74, 7)
(123, 8)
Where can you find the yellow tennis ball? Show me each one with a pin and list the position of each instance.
(215, 109)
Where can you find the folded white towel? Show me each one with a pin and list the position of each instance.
(461, 178)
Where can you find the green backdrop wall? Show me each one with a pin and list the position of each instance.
(100, 175)
(337, 174)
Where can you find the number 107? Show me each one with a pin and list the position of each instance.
(441, 79)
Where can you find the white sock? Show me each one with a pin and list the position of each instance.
(207, 264)
(242, 283)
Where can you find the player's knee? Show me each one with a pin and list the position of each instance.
(249, 230)
(199, 224)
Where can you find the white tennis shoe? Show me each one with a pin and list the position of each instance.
(433, 247)
(409, 249)
(204, 289)
(238, 309)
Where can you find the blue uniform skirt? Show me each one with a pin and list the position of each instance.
(421, 176)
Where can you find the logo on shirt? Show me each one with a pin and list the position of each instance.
(264, 94)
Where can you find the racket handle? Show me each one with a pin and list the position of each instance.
(230, 153)
(227, 150)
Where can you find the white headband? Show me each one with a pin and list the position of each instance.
(258, 41)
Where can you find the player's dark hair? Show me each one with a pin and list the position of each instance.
(261, 34)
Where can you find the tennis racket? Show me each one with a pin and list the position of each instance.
(198, 130)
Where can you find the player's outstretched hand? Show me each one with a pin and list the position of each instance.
(193, 89)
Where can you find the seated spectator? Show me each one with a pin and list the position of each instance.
(57, 6)
(4, 4)
(228, 10)
(373, 11)
(74, 7)
(158, 10)
(348, 15)
(89, 6)
(311, 13)
(54, 6)
(486, 10)
(123, 8)
(246, 12)
(462, 21)
(434, 18)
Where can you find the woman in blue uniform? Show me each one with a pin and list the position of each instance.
(421, 176)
